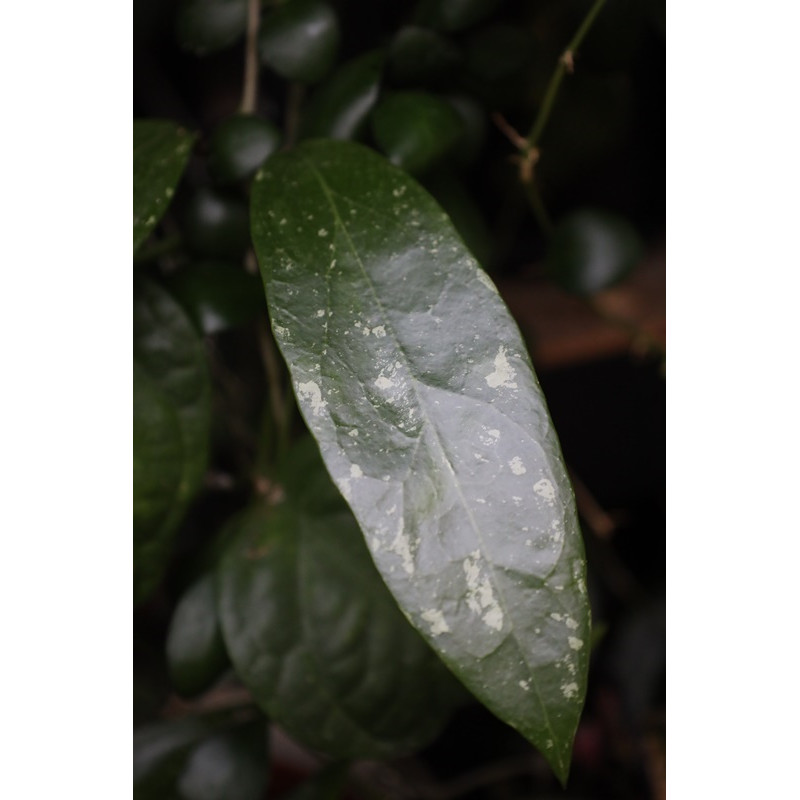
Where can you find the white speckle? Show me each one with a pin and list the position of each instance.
(549, 744)
(151, 220)
(480, 596)
(558, 531)
(494, 433)
(321, 312)
(569, 690)
(556, 617)
(517, 467)
(391, 511)
(545, 489)
(353, 433)
(383, 382)
(503, 374)
(575, 643)
(355, 471)
(282, 222)
(170, 192)
(401, 546)
(437, 621)
(571, 624)
(526, 685)
(322, 233)
(517, 500)
(486, 281)
(310, 391)
(280, 330)
(379, 331)
(399, 192)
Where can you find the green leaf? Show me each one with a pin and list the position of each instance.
(206, 26)
(160, 152)
(339, 108)
(215, 224)
(231, 765)
(217, 296)
(413, 377)
(454, 15)
(195, 651)
(239, 146)
(315, 635)
(592, 250)
(415, 130)
(171, 399)
(421, 57)
(300, 40)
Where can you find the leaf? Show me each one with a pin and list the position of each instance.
(171, 399)
(300, 40)
(415, 130)
(195, 651)
(207, 26)
(327, 784)
(592, 250)
(161, 150)
(239, 145)
(232, 765)
(416, 383)
(217, 296)
(215, 224)
(421, 57)
(315, 635)
(339, 108)
(454, 15)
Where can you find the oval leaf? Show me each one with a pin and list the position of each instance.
(206, 26)
(160, 152)
(315, 635)
(195, 651)
(167, 353)
(414, 379)
(339, 108)
(415, 130)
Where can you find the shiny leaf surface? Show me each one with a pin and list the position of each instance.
(160, 152)
(300, 40)
(195, 651)
(592, 250)
(339, 108)
(170, 373)
(239, 146)
(206, 26)
(415, 130)
(314, 634)
(416, 383)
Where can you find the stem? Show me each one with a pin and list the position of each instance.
(565, 64)
(292, 120)
(250, 88)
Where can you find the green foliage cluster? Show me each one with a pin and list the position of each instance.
(408, 542)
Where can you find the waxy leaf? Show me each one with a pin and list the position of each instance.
(160, 152)
(207, 26)
(415, 129)
(171, 400)
(314, 634)
(413, 377)
(339, 108)
(195, 651)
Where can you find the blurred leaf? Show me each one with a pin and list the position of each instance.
(239, 146)
(315, 635)
(206, 26)
(413, 377)
(339, 108)
(215, 224)
(195, 651)
(217, 296)
(171, 401)
(300, 40)
(497, 52)
(161, 150)
(422, 57)
(454, 15)
(474, 118)
(455, 198)
(415, 130)
(592, 250)
(231, 765)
